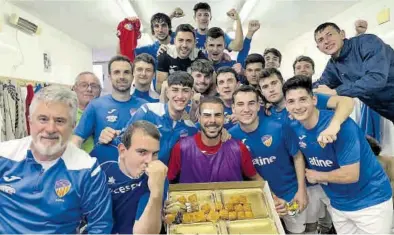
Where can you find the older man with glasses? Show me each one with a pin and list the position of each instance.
(87, 87)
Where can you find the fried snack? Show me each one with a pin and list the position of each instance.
(247, 207)
(249, 215)
(218, 206)
(241, 215)
(234, 199)
(243, 199)
(199, 216)
(192, 198)
(224, 214)
(169, 218)
(195, 206)
(229, 206)
(238, 208)
(182, 199)
(232, 215)
(213, 216)
(187, 218)
(206, 208)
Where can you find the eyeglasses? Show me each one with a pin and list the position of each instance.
(93, 86)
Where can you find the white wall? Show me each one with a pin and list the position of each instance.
(21, 55)
(305, 45)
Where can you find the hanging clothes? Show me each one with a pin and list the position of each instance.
(2, 116)
(14, 112)
(29, 98)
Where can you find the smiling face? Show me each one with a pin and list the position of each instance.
(215, 48)
(143, 73)
(178, 97)
(202, 18)
(304, 68)
(121, 77)
(184, 43)
(50, 127)
(202, 81)
(160, 30)
(246, 107)
(329, 41)
(300, 104)
(212, 119)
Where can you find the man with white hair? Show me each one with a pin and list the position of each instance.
(46, 183)
(88, 87)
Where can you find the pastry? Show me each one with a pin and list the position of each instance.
(206, 208)
(243, 199)
(213, 216)
(229, 206)
(247, 207)
(241, 215)
(218, 206)
(224, 214)
(182, 199)
(192, 198)
(249, 215)
(232, 215)
(238, 208)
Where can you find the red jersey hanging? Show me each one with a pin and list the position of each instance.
(128, 34)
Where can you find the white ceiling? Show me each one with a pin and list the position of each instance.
(94, 22)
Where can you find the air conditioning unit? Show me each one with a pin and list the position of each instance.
(24, 24)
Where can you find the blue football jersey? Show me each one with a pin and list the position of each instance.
(272, 150)
(171, 131)
(351, 146)
(106, 112)
(52, 201)
(129, 197)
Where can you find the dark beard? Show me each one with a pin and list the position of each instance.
(214, 137)
(121, 90)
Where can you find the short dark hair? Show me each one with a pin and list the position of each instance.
(118, 58)
(274, 51)
(211, 100)
(254, 58)
(201, 6)
(246, 89)
(296, 82)
(305, 59)
(161, 17)
(144, 57)
(185, 28)
(147, 127)
(226, 69)
(215, 32)
(374, 144)
(180, 78)
(265, 73)
(323, 26)
(203, 66)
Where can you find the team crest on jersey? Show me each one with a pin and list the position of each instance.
(7, 189)
(62, 187)
(301, 143)
(183, 133)
(322, 145)
(226, 118)
(128, 26)
(112, 118)
(267, 140)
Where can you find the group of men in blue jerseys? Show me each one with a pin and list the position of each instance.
(184, 112)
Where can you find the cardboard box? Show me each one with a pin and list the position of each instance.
(225, 227)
